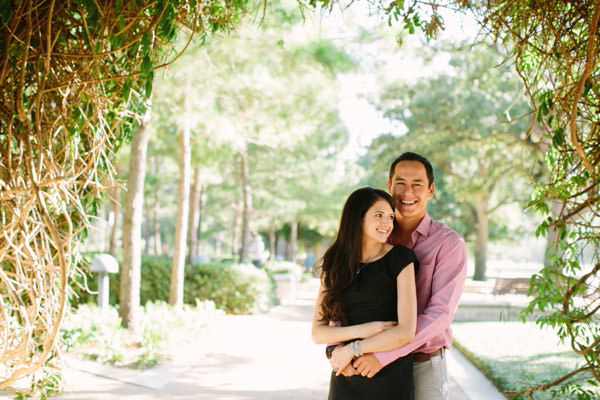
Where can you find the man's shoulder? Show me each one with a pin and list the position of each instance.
(443, 232)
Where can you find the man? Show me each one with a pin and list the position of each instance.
(443, 266)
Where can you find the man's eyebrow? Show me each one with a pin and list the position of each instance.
(404, 179)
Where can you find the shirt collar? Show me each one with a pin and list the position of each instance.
(422, 229)
(424, 226)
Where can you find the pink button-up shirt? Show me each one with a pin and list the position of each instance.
(442, 271)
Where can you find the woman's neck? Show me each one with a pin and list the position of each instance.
(371, 251)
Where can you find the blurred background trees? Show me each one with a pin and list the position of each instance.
(471, 121)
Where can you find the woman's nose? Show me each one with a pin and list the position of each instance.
(387, 222)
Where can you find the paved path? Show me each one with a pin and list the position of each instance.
(263, 357)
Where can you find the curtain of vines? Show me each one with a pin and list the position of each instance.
(73, 78)
(554, 45)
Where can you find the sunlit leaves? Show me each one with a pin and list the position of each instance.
(167, 24)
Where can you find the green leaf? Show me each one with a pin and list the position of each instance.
(146, 66)
(166, 25)
(121, 22)
(126, 89)
(5, 12)
(148, 87)
(146, 41)
(541, 230)
(92, 15)
(558, 138)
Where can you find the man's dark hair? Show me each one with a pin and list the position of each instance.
(409, 156)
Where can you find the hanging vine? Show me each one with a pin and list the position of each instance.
(555, 46)
(74, 76)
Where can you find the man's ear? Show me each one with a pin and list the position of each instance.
(389, 186)
(431, 190)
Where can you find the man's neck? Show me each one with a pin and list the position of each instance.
(403, 229)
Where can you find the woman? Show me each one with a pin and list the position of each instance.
(368, 286)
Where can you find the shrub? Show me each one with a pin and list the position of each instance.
(234, 288)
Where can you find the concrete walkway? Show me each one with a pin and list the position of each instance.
(266, 356)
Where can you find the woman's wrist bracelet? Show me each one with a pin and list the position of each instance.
(355, 348)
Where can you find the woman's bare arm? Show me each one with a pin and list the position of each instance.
(394, 336)
(323, 333)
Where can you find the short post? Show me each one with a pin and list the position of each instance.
(104, 264)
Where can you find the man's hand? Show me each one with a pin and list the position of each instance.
(349, 370)
(367, 365)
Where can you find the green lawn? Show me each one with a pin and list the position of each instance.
(517, 355)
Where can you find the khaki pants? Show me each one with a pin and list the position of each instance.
(431, 378)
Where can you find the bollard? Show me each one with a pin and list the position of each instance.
(104, 264)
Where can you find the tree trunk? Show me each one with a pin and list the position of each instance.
(114, 227)
(195, 196)
(247, 206)
(235, 247)
(272, 238)
(177, 270)
(156, 238)
(481, 238)
(147, 235)
(129, 291)
(201, 204)
(293, 241)
(218, 243)
(321, 246)
(281, 247)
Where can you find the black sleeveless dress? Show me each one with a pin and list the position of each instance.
(373, 297)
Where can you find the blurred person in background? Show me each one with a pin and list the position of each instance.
(256, 250)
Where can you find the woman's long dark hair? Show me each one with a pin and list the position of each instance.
(340, 262)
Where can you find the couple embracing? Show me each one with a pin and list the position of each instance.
(390, 285)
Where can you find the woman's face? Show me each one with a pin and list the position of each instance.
(378, 222)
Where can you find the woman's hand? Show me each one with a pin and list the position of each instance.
(373, 328)
(340, 358)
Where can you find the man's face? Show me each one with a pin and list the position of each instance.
(410, 189)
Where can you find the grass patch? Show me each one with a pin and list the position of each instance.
(516, 356)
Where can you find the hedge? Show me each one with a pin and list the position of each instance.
(234, 288)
